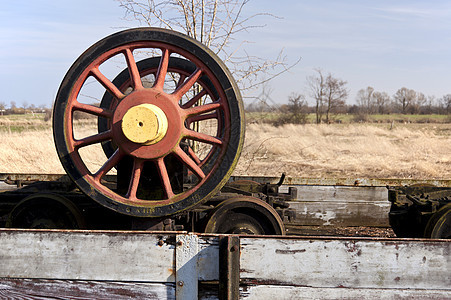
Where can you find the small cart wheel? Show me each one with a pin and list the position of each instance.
(439, 225)
(245, 215)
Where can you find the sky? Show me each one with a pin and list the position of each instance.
(384, 44)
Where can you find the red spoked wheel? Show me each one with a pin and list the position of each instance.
(180, 69)
(150, 123)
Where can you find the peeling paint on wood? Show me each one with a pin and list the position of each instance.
(341, 206)
(117, 265)
(69, 289)
(294, 292)
(352, 263)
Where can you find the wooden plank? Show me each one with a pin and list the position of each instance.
(208, 266)
(341, 206)
(349, 181)
(78, 255)
(342, 214)
(295, 292)
(345, 181)
(345, 262)
(70, 289)
(317, 193)
(78, 264)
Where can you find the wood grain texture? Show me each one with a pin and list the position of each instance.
(70, 289)
(352, 263)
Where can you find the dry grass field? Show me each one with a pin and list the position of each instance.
(417, 151)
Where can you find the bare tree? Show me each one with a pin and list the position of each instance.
(336, 94)
(445, 101)
(404, 97)
(328, 92)
(216, 24)
(419, 101)
(2, 105)
(382, 101)
(366, 100)
(317, 86)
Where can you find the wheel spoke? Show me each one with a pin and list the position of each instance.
(133, 69)
(197, 110)
(187, 84)
(201, 137)
(194, 99)
(94, 110)
(202, 117)
(134, 181)
(108, 165)
(107, 84)
(162, 70)
(93, 139)
(180, 81)
(193, 155)
(189, 162)
(165, 178)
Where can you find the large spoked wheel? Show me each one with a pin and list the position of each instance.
(151, 123)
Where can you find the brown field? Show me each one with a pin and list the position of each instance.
(418, 151)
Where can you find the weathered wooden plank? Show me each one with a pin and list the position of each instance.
(349, 181)
(341, 206)
(70, 289)
(208, 248)
(356, 263)
(262, 292)
(123, 263)
(362, 194)
(71, 255)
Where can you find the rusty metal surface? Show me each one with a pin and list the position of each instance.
(229, 266)
(245, 215)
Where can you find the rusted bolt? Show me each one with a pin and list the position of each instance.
(180, 283)
(234, 248)
(160, 243)
(179, 243)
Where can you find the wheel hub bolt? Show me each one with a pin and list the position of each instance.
(145, 124)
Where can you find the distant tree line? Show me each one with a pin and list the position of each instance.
(329, 94)
(14, 109)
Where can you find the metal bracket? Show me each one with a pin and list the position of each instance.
(229, 267)
(186, 270)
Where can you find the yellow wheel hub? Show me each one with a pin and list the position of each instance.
(145, 124)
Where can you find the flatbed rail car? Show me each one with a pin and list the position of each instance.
(307, 206)
(170, 127)
(53, 201)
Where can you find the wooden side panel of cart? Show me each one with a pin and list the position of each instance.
(115, 265)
